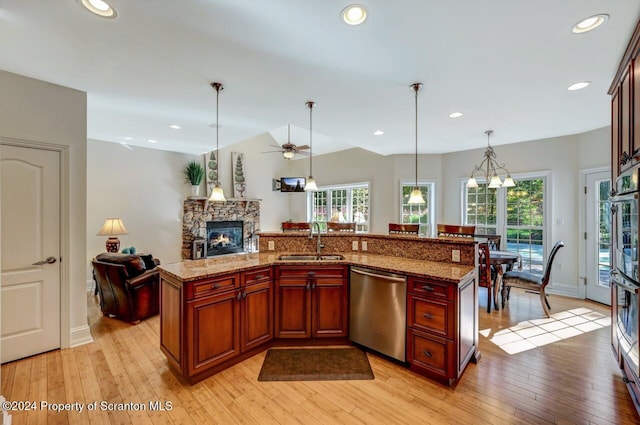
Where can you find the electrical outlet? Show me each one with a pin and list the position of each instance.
(364, 245)
(354, 245)
(455, 255)
(272, 245)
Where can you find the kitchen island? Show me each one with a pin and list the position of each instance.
(216, 312)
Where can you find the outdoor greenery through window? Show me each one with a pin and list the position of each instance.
(417, 213)
(344, 203)
(517, 213)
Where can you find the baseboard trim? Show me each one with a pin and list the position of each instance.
(80, 336)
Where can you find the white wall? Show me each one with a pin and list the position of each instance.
(145, 188)
(38, 111)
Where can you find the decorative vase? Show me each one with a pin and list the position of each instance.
(195, 190)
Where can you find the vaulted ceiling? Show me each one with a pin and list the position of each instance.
(505, 64)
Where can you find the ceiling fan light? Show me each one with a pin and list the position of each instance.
(310, 185)
(416, 197)
(472, 183)
(288, 154)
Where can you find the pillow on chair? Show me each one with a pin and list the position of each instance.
(149, 263)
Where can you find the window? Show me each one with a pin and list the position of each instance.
(418, 213)
(517, 213)
(342, 203)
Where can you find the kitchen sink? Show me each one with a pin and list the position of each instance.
(310, 257)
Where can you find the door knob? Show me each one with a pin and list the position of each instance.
(49, 260)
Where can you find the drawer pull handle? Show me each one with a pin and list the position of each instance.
(239, 296)
(311, 274)
(258, 277)
(244, 295)
(427, 353)
(428, 288)
(308, 285)
(428, 316)
(216, 286)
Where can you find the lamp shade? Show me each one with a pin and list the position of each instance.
(310, 185)
(495, 182)
(416, 197)
(217, 194)
(472, 182)
(508, 182)
(112, 226)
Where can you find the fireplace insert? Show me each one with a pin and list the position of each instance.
(225, 237)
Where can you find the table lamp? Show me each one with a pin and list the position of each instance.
(112, 227)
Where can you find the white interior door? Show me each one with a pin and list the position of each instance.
(30, 214)
(598, 231)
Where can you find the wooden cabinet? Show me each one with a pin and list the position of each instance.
(208, 324)
(442, 327)
(311, 302)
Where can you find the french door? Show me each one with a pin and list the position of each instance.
(598, 236)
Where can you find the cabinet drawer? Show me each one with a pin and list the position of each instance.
(206, 287)
(432, 288)
(308, 272)
(430, 352)
(432, 316)
(252, 277)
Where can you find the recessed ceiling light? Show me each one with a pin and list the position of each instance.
(99, 7)
(128, 138)
(152, 141)
(378, 132)
(455, 115)
(590, 23)
(126, 146)
(354, 14)
(578, 86)
(175, 126)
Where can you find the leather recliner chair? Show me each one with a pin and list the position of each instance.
(128, 288)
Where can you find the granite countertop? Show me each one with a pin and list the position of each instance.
(190, 270)
(297, 234)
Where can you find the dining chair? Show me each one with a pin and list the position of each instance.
(404, 229)
(529, 282)
(333, 226)
(288, 226)
(494, 242)
(485, 272)
(456, 231)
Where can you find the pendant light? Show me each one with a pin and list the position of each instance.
(416, 194)
(217, 194)
(310, 185)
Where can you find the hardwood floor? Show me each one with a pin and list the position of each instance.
(571, 381)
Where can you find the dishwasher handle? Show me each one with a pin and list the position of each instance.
(379, 276)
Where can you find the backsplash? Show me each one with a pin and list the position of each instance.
(431, 249)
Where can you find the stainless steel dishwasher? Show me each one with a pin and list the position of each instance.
(378, 311)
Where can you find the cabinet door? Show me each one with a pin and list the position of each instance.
(615, 136)
(625, 120)
(330, 308)
(467, 323)
(257, 315)
(431, 315)
(293, 312)
(431, 354)
(213, 331)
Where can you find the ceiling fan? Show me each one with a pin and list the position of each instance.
(289, 149)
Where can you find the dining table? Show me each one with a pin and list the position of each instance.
(497, 259)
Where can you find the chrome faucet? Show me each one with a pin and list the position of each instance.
(319, 246)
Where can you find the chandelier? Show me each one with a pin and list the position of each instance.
(488, 169)
(416, 193)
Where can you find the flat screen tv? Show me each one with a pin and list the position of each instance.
(292, 184)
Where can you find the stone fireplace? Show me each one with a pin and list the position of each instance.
(197, 212)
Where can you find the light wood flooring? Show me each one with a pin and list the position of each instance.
(573, 381)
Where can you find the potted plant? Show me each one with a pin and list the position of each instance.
(194, 172)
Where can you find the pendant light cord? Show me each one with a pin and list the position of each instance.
(217, 87)
(416, 88)
(310, 105)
